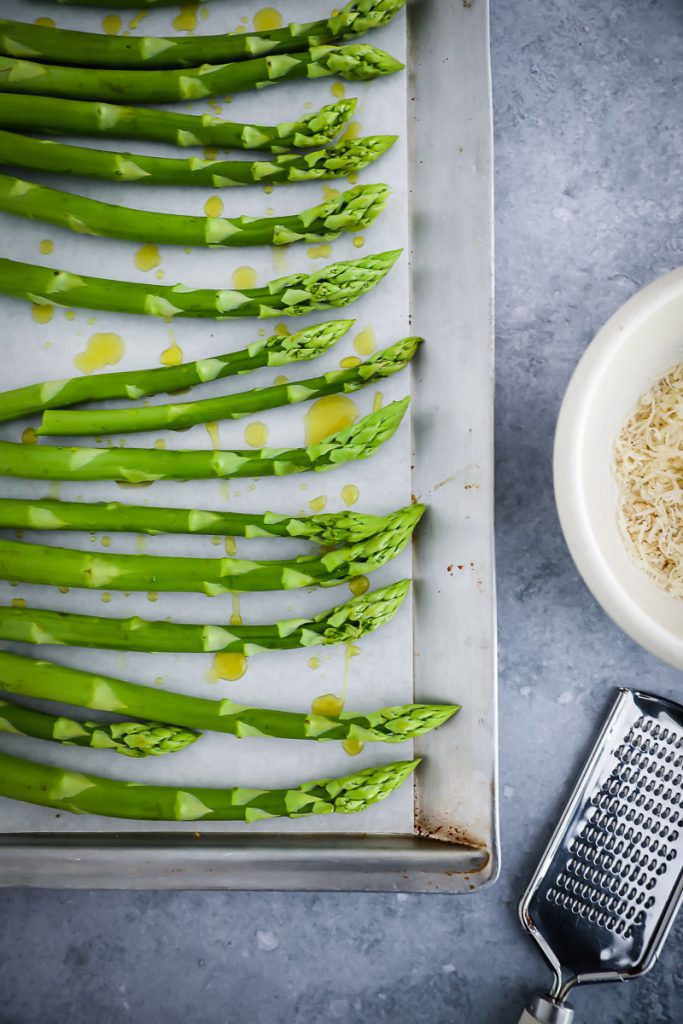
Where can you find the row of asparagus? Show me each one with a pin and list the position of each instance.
(46, 87)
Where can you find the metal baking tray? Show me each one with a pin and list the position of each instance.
(453, 845)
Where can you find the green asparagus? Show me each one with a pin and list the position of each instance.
(181, 415)
(138, 465)
(95, 570)
(353, 210)
(91, 794)
(276, 350)
(350, 621)
(114, 517)
(347, 157)
(133, 739)
(47, 681)
(357, 62)
(97, 50)
(332, 286)
(111, 121)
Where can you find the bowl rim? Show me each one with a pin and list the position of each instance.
(567, 478)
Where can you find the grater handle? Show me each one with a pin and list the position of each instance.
(544, 1010)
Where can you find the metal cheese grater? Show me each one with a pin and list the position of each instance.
(607, 889)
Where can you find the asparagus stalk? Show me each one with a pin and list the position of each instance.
(114, 517)
(112, 121)
(350, 621)
(45, 680)
(138, 465)
(181, 415)
(133, 739)
(332, 286)
(62, 46)
(357, 62)
(91, 794)
(353, 210)
(334, 162)
(66, 567)
(275, 350)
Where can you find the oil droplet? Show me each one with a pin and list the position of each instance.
(244, 277)
(352, 747)
(46, 246)
(29, 436)
(280, 379)
(280, 258)
(153, 596)
(213, 207)
(359, 586)
(159, 681)
(229, 665)
(365, 342)
(353, 131)
(327, 704)
(147, 257)
(377, 401)
(230, 546)
(350, 494)
(359, 241)
(18, 602)
(204, 13)
(44, 22)
(137, 18)
(338, 90)
(267, 18)
(282, 330)
(213, 431)
(54, 490)
(141, 543)
(317, 252)
(171, 356)
(100, 350)
(159, 274)
(225, 490)
(159, 444)
(352, 178)
(330, 193)
(317, 504)
(349, 361)
(105, 542)
(313, 662)
(70, 314)
(215, 541)
(256, 435)
(328, 415)
(42, 314)
(236, 617)
(105, 597)
(112, 24)
(268, 189)
(186, 20)
(63, 590)
(210, 152)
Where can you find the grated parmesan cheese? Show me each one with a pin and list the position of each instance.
(649, 470)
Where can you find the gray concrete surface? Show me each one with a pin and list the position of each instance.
(589, 202)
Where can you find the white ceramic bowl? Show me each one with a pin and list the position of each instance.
(629, 354)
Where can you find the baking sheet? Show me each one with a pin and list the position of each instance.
(382, 673)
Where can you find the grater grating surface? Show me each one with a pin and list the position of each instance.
(609, 884)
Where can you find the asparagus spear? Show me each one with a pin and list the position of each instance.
(334, 162)
(357, 62)
(180, 415)
(353, 210)
(48, 681)
(134, 739)
(275, 350)
(135, 465)
(113, 517)
(91, 794)
(66, 567)
(62, 46)
(332, 286)
(112, 121)
(349, 621)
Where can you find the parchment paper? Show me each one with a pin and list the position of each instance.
(382, 674)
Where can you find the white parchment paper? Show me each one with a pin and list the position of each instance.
(382, 673)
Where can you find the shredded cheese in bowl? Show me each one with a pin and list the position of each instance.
(649, 470)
